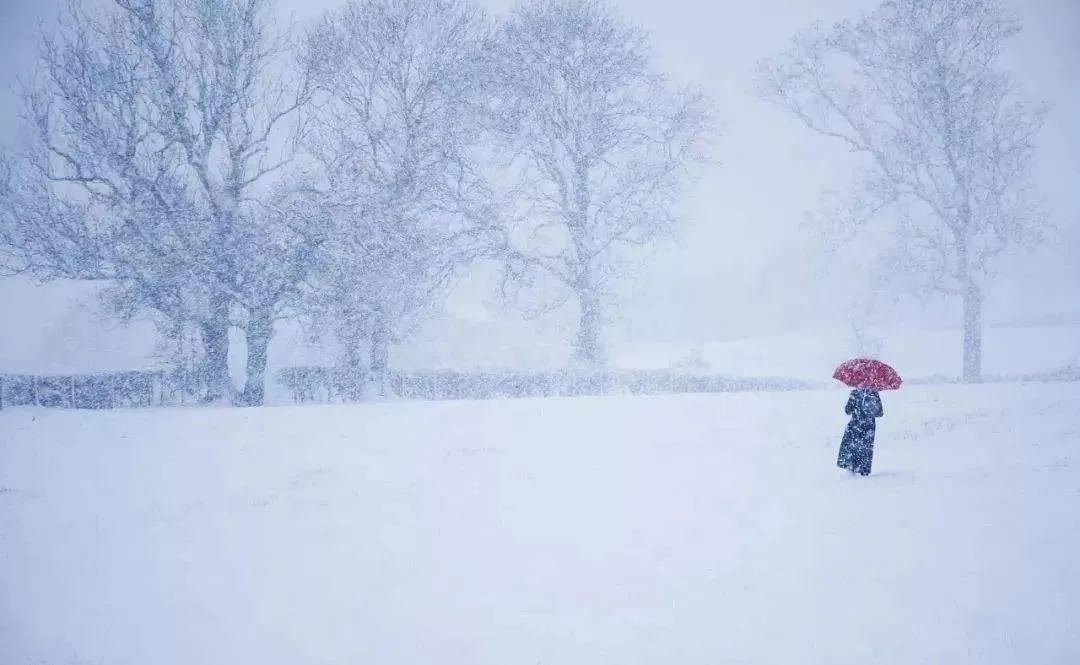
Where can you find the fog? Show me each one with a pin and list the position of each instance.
(745, 262)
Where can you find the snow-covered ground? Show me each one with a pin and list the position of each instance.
(703, 529)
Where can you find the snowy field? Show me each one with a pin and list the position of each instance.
(684, 530)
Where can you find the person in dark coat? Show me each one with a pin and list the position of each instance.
(857, 448)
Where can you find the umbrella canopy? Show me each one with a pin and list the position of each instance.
(868, 374)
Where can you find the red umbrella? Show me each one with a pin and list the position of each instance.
(868, 374)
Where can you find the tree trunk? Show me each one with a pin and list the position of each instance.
(588, 348)
(215, 340)
(380, 354)
(351, 374)
(259, 330)
(973, 300)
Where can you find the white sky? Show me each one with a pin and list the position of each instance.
(745, 266)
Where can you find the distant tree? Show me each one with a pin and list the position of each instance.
(915, 88)
(600, 144)
(154, 125)
(397, 135)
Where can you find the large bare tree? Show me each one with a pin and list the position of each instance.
(915, 87)
(154, 124)
(396, 134)
(601, 146)
(280, 239)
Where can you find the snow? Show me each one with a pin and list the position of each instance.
(66, 332)
(60, 328)
(683, 529)
(917, 353)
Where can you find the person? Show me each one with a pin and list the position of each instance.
(857, 447)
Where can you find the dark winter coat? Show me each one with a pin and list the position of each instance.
(857, 448)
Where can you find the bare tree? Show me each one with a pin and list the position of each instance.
(600, 145)
(915, 88)
(154, 123)
(397, 133)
